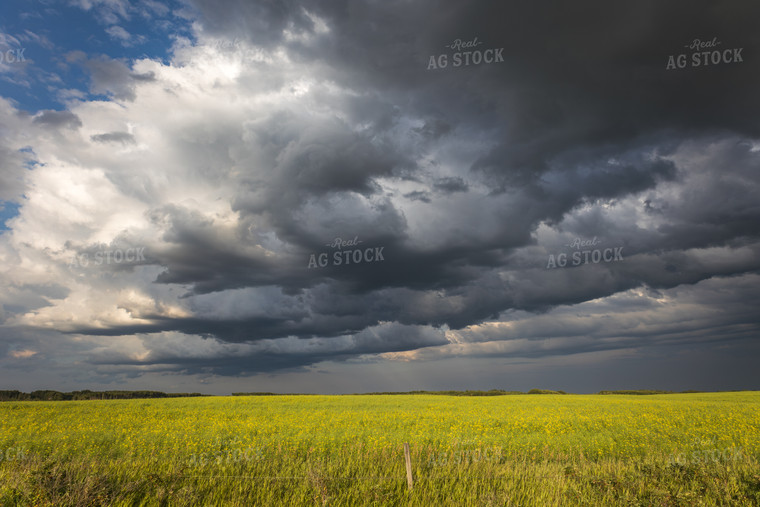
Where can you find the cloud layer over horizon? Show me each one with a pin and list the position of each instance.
(168, 212)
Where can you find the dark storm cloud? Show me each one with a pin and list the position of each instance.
(283, 354)
(193, 253)
(721, 207)
(733, 319)
(574, 76)
(320, 163)
(582, 113)
(560, 59)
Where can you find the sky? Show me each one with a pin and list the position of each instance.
(353, 196)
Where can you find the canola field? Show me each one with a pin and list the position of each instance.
(676, 449)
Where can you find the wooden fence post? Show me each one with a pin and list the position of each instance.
(408, 459)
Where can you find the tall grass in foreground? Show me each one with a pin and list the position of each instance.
(685, 449)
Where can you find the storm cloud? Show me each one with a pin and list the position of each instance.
(346, 182)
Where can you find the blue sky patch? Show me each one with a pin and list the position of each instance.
(43, 42)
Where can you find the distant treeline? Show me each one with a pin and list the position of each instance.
(256, 393)
(47, 395)
(492, 392)
(500, 392)
(88, 395)
(648, 391)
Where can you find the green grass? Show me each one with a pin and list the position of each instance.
(669, 449)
